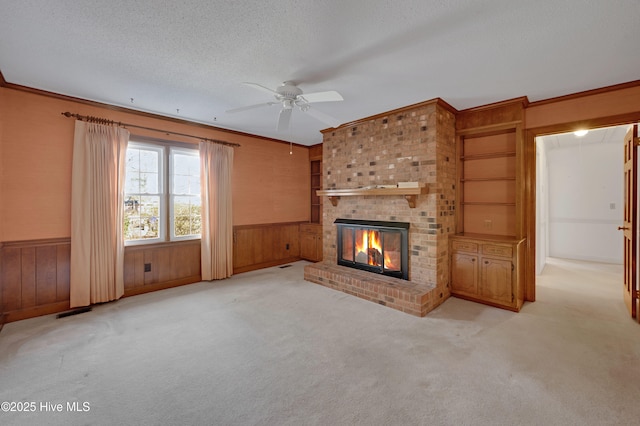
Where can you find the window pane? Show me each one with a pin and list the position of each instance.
(148, 161)
(186, 173)
(186, 164)
(142, 174)
(186, 213)
(149, 183)
(186, 185)
(181, 184)
(132, 218)
(141, 217)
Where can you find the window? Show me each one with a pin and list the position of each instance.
(162, 193)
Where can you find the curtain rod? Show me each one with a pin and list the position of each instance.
(99, 120)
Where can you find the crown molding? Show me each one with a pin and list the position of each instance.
(523, 100)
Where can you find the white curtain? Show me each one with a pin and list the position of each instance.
(216, 165)
(97, 209)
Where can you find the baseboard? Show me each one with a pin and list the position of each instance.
(596, 259)
(51, 308)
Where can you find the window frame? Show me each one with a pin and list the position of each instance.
(166, 224)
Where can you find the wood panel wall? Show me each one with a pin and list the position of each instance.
(35, 274)
(170, 265)
(265, 245)
(35, 278)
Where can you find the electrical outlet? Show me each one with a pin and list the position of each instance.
(147, 267)
(488, 224)
(612, 206)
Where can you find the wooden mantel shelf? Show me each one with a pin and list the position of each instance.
(410, 194)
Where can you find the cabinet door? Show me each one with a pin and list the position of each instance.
(308, 246)
(496, 280)
(464, 273)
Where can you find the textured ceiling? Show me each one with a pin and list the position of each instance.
(613, 136)
(188, 58)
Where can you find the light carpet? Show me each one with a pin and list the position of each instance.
(268, 348)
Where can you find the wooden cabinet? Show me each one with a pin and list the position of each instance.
(311, 242)
(488, 270)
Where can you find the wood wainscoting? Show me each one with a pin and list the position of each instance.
(34, 275)
(265, 245)
(158, 266)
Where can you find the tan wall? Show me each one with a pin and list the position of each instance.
(270, 185)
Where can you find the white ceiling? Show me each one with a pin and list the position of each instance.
(613, 136)
(187, 59)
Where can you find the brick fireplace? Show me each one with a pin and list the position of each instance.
(412, 144)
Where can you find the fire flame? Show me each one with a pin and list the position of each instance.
(388, 263)
(369, 245)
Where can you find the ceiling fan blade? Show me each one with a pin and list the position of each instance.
(329, 96)
(284, 119)
(248, 107)
(321, 116)
(261, 87)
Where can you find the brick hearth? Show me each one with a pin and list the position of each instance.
(406, 296)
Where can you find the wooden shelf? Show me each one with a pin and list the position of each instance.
(409, 194)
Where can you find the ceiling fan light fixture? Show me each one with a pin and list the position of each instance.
(289, 96)
(287, 104)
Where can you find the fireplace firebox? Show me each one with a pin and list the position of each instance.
(375, 246)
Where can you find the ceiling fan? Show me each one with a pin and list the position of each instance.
(289, 95)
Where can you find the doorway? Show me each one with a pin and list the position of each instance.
(579, 196)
